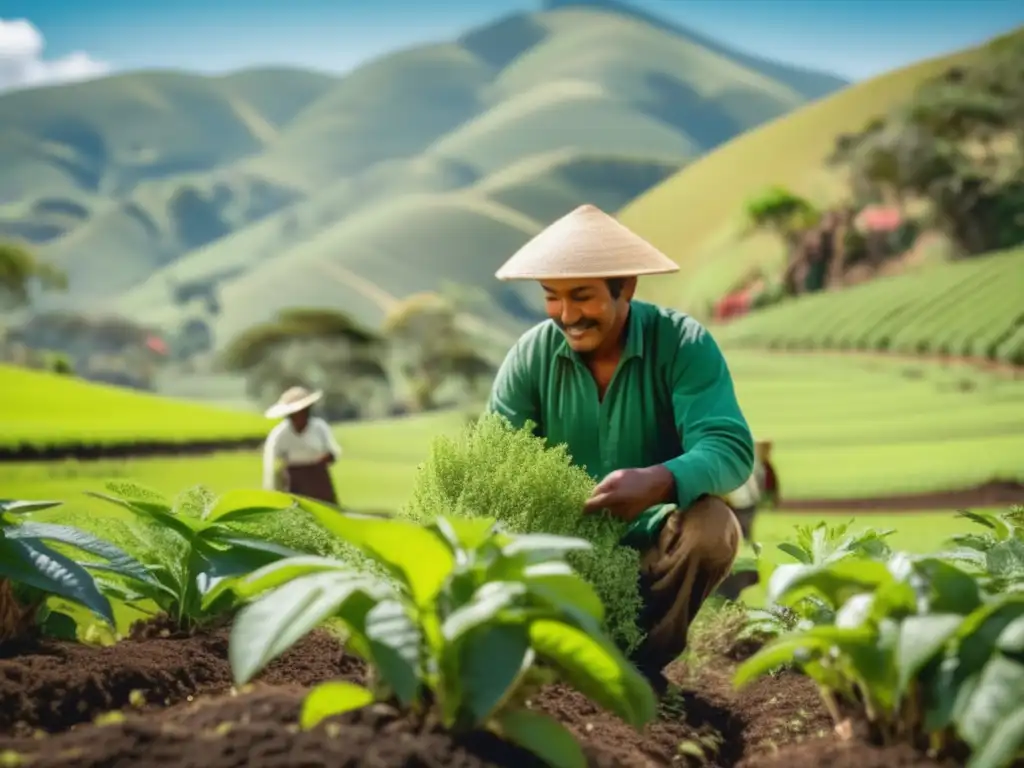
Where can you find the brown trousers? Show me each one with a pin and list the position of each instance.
(693, 555)
(313, 481)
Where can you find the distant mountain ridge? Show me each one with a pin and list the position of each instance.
(811, 83)
(281, 187)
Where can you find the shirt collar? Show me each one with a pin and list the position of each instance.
(634, 338)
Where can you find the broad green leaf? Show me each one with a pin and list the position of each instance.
(856, 611)
(413, 553)
(491, 660)
(745, 565)
(395, 642)
(464, 532)
(33, 563)
(789, 648)
(943, 587)
(543, 546)
(332, 698)
(265, 629)
(211, 566)
(489, 600)
(270, 548)
(981, 518)
(597, 669)
(561, 586)
(1006, 559)
(18, 507)
(353, 613)
(1011, 640)
(795, 552)
(280, 572)
(921, 638)
(155, 511)
(152, 586)
(1004, 744)
(971, 557)
(977, 635)
(119, 592)
(119, 560)
(836, 582)
(999, 692)
(238, 505)
(543, 736)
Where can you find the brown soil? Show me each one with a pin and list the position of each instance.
(179, 711)
(134, 450)
(993, 494)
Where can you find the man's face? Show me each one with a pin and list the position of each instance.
(588, 311)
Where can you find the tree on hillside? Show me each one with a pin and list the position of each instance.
(427, 347)
(783, 213)
(957, 146)
(20, 270)
(318, 348)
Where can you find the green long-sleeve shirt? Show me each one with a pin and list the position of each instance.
(671, 402)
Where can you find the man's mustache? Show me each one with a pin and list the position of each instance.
(579, 325)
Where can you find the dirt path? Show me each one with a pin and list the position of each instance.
(948, 361)
(137, 450)
(993, 494)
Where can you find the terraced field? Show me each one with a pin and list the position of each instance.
(970, 308)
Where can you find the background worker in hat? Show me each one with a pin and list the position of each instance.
(305, 446)
(762, 486)
(644, 400)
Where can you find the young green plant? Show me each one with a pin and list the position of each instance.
(201, 550)
(33, 573)
(469, 622)
(996, 554)
(916, 647)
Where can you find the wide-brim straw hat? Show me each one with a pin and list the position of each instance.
(292, 401)
(586, 243)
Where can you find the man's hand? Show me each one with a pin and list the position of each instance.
(625, 493)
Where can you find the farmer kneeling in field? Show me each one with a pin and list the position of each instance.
(305, 446)
(642, 397)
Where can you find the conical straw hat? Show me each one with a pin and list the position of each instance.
(292, 401)
(585, 243)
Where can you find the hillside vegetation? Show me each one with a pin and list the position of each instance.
(151, 182)
(969, 308)
(696, 216)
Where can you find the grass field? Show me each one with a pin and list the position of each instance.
(43, 410)
(695, 217)
(968, 308)
(842, 428)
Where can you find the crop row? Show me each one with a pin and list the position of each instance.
(926, 649)
(970, 308)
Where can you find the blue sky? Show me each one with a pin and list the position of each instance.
(853, 39)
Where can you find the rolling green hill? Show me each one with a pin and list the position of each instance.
(695, 217)
(500, 131)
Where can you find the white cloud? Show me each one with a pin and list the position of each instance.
(22, 64)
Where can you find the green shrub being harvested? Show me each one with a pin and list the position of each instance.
(493, 470)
